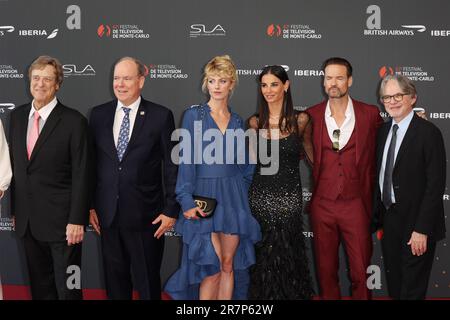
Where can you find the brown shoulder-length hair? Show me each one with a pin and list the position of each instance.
(288, 120)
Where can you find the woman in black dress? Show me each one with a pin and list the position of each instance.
(281, 270)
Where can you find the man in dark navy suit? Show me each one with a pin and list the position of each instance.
(134, 202)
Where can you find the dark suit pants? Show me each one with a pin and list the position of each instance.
(132, 255)
(48, 264)
(407, 275)
(333, 221)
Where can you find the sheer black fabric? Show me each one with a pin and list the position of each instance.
(281, 270)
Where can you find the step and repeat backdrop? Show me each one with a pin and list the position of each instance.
(176, 38)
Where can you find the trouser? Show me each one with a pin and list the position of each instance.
(54, 269)
(333, 221)
(407, 275)
(132, 255)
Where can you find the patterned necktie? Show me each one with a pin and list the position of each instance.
(389, 167)
(33, 134)
(124, 133)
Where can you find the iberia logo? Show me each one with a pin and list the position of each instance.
(274, 30)
(104, 30)
(384, 71)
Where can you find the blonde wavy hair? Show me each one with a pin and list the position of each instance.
(221, 66)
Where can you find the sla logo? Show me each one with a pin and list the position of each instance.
(104, 30)
(201, 30)
(4, 29)
(274, 30)
(384, 71)
(73, 70)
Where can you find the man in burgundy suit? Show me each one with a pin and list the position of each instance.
(344, 134)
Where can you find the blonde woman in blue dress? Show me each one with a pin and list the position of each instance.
(217, 251)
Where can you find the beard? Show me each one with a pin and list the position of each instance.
(336, 94)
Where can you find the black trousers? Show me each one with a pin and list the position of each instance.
(407, 275)
(132, 255)
(50, 264)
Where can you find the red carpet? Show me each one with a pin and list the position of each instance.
(22, 293)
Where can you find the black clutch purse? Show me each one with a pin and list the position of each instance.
(208, 205)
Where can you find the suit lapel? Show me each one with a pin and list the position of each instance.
(22, 138)
(49, 126)
(407, 140)
(107, 142)
(318, 141)
(382, 136)
(361, 130)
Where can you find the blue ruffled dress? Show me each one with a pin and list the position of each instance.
(228, 184)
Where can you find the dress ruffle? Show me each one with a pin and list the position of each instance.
(199, 259)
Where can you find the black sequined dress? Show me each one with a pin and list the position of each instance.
(281, 271)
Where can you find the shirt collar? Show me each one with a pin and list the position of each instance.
(404, 123)
(349, 111)
(134, 106)
(45, 111)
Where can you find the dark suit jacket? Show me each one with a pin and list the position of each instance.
(50, 190)
(367, 122)
(134, 186)
(418, 180)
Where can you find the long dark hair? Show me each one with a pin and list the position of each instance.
(288, 121)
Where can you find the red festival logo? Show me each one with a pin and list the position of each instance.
(147, 69)
(274, 30)
(104, 30)
(384, 71)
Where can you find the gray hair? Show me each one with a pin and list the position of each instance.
(142, 70)
(405, 84)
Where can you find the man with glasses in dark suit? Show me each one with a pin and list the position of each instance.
(408, 206)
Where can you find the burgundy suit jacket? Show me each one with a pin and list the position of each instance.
(367, 122)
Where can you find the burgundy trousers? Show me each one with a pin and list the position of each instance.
(334, 221)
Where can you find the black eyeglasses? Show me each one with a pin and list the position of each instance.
(336, 135)
(397, 97)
